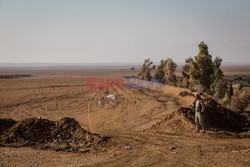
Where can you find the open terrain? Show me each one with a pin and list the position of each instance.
(56, 93)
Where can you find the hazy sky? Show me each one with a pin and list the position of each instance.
(122, 30)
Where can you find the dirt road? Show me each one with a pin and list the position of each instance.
(126, 120)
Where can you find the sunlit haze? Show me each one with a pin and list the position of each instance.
(92, 31)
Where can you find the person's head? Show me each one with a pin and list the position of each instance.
(198, 96)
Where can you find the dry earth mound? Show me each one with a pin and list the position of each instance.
(216, 118)
(63, 135)
(6, 124)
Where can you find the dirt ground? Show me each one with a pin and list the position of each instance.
(53, 94)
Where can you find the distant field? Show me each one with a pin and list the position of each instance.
(53, 93)
(110, 70)
(229, 70)
(236, 70)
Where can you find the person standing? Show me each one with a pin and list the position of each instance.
(199, 113)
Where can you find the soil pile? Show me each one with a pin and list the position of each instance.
(6, 124)
(63, 135)
(216, 118)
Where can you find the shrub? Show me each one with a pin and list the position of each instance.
(240, 101)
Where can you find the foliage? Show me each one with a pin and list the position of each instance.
(240, 101)
(14, 76)
(160, 70)
(170, 68)
(146, 68)
(205, 71)
(220, 88)
(202, 68)
(230, 92)
(185, 71)
(219, 84)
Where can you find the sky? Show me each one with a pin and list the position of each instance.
(99, 31)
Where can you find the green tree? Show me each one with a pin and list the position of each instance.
(202, 68)
(220, 88)
(160, 70)
(185, 71)
(146, 68)
(170, 68)
(217, 78)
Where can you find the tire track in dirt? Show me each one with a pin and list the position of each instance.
(40, 100)
(89, 111)
(157, 111)
(136, 110)
(52, 100)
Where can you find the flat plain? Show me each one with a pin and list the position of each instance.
(53, 93)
